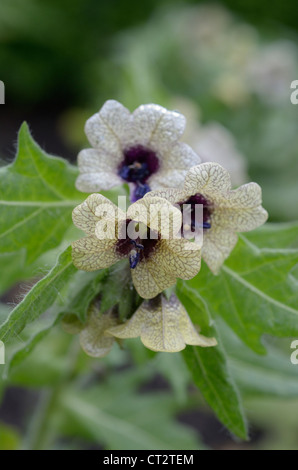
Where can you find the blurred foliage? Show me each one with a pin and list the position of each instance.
(74, 55)
(9, 438)
(50, 49)
(205, 57)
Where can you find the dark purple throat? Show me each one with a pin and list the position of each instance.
(136, 249)
(207, 211)
(138, 164)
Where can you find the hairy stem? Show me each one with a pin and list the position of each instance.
(39, 431)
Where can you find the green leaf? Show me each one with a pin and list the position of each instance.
(85, 287)
(209, 366)
(40, 297)
(37, 196)
(47, 365)
(256, 291)
(9, 438)
(115, 416)
(12, 264)
(174, 369)
(118, 290)
(74, 298)
(21, 354)
(4, 312)
(275, 236)
(271, 375)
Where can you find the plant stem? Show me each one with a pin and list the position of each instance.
(39, 430)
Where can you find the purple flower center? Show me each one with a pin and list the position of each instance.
(138, 165)
(207, 211)
(136, 249)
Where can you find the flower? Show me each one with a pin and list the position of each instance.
(93, 339)
(225, 211)
(163, 325)
(141, 149)
(145, 234)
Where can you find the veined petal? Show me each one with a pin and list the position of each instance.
(98, 171)
(217, 245)
(86, 215)
(106, 128)
(172, 195)
(149, 280)
(163, 325)
(92, 338)
(181, 257)
(167, 179)
(170, 260)
(157, 127)
(158, 214)
(181, 157)
(90, 182)
(209, 179)
(240, 220)
(90, 253)
(92, 160)
(174, 167)
(246, 196)
(240, 210)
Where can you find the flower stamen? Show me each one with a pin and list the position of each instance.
(140, 191)
(138, 165)
(207, 210)
(135, 172)
(134, 258)
(143, 246)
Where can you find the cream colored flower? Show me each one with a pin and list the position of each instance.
(163, 325)
(157, 258)
(93, 338)
(141, 148)
(225, 211)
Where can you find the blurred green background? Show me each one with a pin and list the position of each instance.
(228, 67)
(62, 60)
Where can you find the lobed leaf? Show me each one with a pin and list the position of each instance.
(40, 297)
(209, 366)
(37, 196)
(272, 375)
(256, 291)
